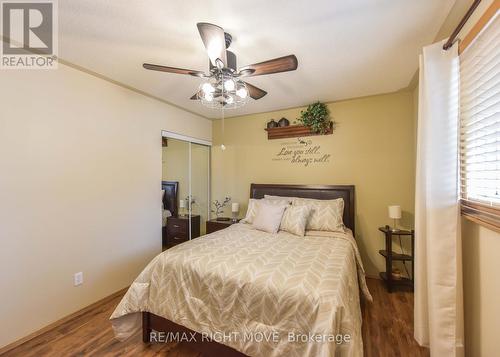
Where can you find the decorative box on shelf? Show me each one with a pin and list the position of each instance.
(293, 131)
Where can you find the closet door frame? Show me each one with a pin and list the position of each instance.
(191, 140)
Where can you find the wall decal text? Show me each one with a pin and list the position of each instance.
(301, 152)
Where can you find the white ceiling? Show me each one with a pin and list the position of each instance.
(345, 48)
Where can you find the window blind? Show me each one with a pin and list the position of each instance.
(480, 124)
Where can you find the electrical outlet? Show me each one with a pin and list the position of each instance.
(78, 278)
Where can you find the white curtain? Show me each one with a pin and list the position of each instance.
(438, 256)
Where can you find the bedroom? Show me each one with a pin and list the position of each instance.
(83, 145)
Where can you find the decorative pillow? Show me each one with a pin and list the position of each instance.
(295, 219)
(251, 211)
(268, 217)
(253, 207)
(326, 215)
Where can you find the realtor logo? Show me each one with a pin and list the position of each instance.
(29, 32)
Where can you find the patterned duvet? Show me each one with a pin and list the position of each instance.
(262, 294)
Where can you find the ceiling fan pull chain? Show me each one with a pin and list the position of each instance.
(223, 147)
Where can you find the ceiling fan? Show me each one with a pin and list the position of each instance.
(223, 87)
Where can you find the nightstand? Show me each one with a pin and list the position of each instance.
(214, 225)
(178, 229)
(391, 256)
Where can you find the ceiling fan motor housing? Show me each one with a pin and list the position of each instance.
(228, 39)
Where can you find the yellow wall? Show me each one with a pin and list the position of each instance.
(481, 249)
(80, 181)
(372, 148)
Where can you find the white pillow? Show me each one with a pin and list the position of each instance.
(295, 219)
(326, 215)
(268, 217)
(251, 211)
(253, 207)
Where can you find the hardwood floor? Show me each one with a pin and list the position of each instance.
(388, 323)
(387, 331)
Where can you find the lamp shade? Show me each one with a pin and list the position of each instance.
(395, 212)
(235, 207)
(182, 203)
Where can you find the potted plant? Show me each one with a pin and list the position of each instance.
(219, 208)
(316, 117)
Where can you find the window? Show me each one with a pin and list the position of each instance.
(480, 126)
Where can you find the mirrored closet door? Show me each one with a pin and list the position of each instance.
(200, 183)
(185, 188)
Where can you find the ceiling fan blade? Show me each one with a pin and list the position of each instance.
(254, 92)
(157, 67)
(214, 41)
(277, 65)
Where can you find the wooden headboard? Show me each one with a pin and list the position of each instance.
(327, 192)
(170, 197)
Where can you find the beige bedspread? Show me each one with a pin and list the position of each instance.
(262, 294)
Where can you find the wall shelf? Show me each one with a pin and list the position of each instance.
(293, 131)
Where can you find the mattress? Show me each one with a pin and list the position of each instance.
(303, 293)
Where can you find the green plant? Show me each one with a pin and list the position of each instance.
(219, 206)
(316, 117)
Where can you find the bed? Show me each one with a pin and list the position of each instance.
(240, 291)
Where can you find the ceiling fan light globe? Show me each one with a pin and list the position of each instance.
(208, 97)
(229, 85)
(242, 92)
(207, 88)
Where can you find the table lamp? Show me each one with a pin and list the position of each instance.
(395, 214)
(235, 209)
(182, 206)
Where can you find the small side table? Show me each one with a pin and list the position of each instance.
(391, 256)
(214, 225)
(178, 230)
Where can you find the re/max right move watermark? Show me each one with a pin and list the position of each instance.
(270, 337)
